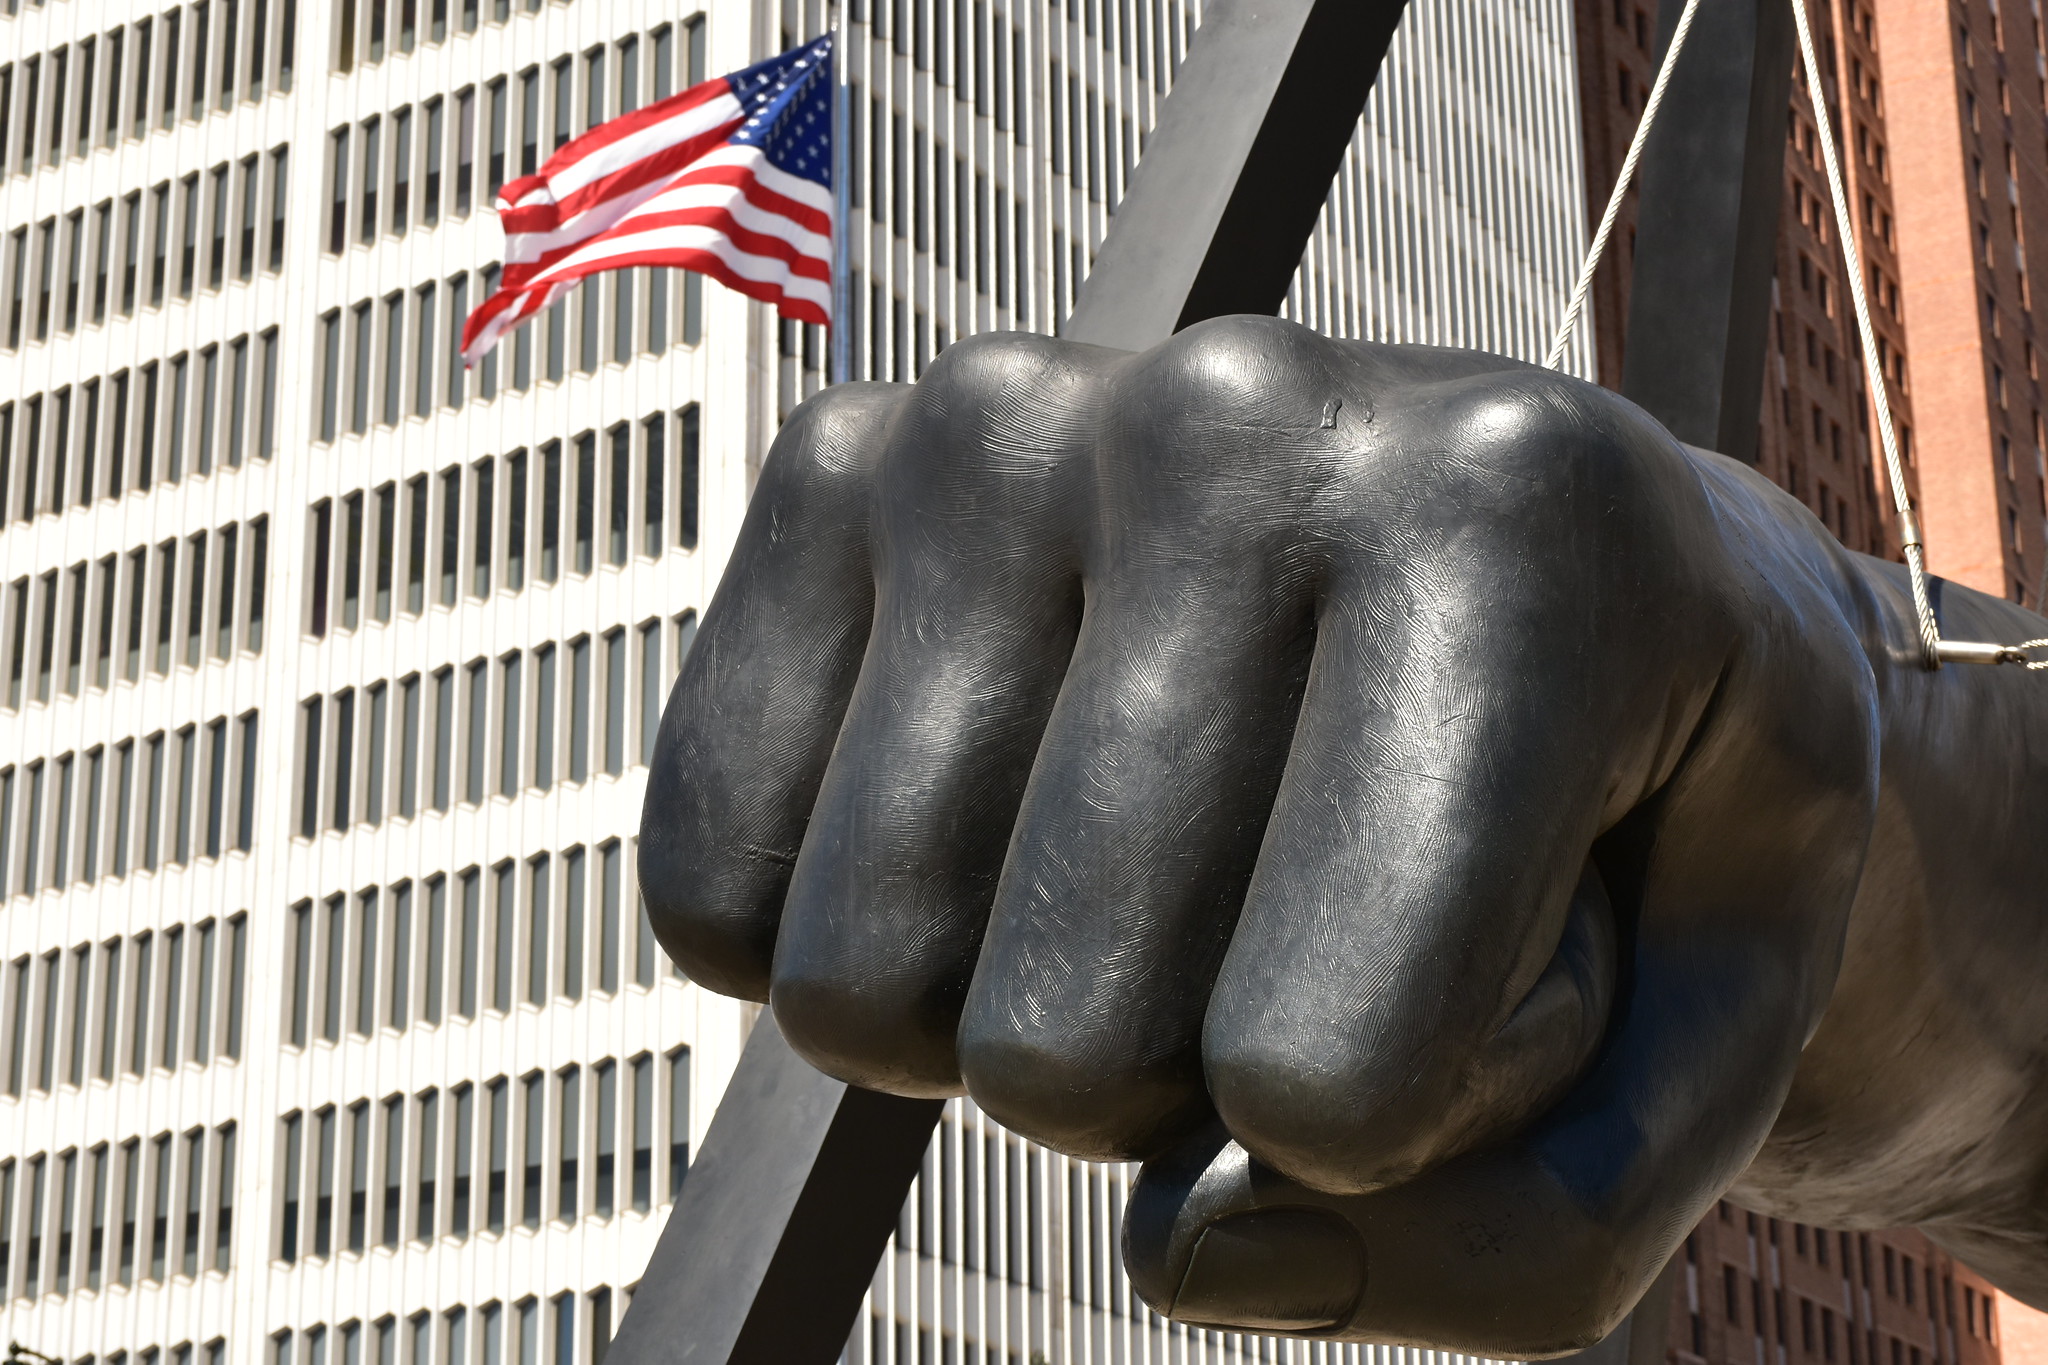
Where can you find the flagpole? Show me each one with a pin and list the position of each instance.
(840, 337)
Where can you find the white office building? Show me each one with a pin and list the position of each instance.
(330, 1033)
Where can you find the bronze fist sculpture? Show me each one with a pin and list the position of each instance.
(1449, 831)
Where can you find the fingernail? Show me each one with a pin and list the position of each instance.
(1275, 1270)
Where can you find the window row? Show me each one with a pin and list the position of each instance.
(157, 1000)
(392, 171)
(383, 360)
(490, 728)
(188, 62)
(160, 1208)
(525, 932)
(181, 1354)
(111, 609)
(165, 798)
(467, 532)
(581, 1142)
(70, 271)
(74, 444)
(527, 1332)
(364, 28)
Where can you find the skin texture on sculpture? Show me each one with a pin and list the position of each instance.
(1448, 830)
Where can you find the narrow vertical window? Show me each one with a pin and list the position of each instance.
(289, 1177)
(201, 1048)
(615, 713)
(370, 174)
(434, 970)
(451, 532)
(280, 165)
(465, 149)
(678, 1120)
(249, 200)
(427, 1137)
(300, 979)
(367, 941)
(586, 500)
(330, 374)
(423, 350)
(619, 491)
(394, 1171)
(333, 959)
(463, 1154)
(228, 543)
(470, 951)
(689, 425)
(237, 986)
(504, 933)
(361, 336)
(579, 708)
(444, 736)
(568, 1113)
(515, 520)
(326, 1170)
(604, 1172)
(393, 357)
(359, 1140)
(416, 529)
(482, 502)
(215, 833)
(430, 165)
(533, 1102)
(398, 988)
(224, 1196)
(642, 1193)
(238, 403)
(498, 1121)
(651, 697)
(652, 500)
(511, 719)
(611, 891)
(477, 705)
(551, 511)
(538, 872)
(341, 794)
(376, 751)
(385, 566)
(401, 170)
(544, 717)
(574, 932)
(408, 746)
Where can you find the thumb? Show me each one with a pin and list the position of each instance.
(1213, 1239)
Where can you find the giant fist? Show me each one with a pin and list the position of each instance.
(1403, 797)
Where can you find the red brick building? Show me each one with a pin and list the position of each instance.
(1939, 108)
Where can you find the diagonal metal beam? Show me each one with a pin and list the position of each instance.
(1712, 182)
(788, 1208)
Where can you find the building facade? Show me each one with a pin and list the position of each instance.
(330, 1030)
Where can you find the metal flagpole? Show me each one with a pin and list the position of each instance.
(840, 336)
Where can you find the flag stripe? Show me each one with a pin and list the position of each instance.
(730, 178)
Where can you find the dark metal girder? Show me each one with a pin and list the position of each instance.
(1712, 182)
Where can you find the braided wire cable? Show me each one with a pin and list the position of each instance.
(1909, 525)
(1583, 287)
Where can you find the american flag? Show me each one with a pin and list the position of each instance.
(732, 178)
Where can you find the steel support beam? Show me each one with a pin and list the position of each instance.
(1711, 184)
(790, 1203)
